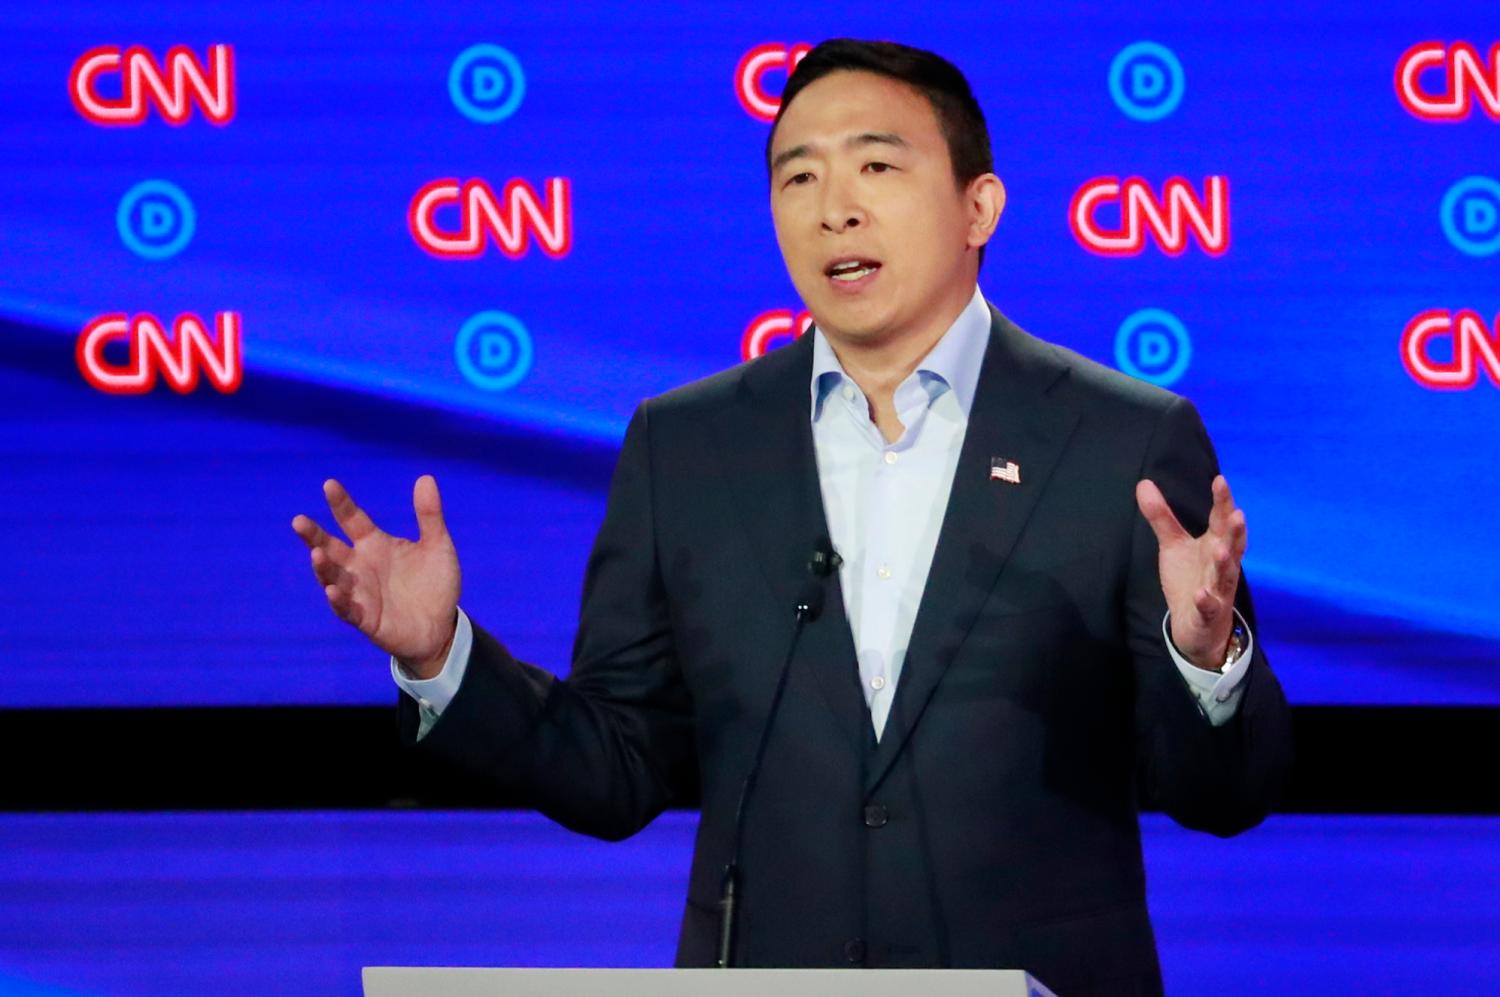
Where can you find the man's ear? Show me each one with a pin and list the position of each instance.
(985, 197)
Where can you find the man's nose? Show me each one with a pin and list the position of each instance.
(839, 222)
(841, 210)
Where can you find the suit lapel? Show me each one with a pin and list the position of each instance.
(1011, 418)
(780, 503)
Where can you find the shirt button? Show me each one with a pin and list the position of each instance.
(877, 683)
(884, 571)
(890, 457)
(848, 393)
(876, 815)
(854, 951)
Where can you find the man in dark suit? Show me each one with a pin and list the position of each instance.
(1033, 628)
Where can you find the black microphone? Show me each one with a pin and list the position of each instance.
(810, 597)
(825, 560)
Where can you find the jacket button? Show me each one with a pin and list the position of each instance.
(854, 950)
(876, 815)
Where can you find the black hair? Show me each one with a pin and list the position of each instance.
(940, 81)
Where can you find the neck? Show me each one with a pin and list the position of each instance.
(879, 367)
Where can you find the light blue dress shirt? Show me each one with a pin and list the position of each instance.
(885, 504)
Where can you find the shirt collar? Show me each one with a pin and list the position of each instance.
(954, 360)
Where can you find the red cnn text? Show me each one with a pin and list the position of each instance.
(178, 357)
(1169, 220)
(1440, 82)
(750, 74)
(511, 220)
(767, 327)
(174, 86)
(1464, 345)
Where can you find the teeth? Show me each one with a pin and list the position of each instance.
(852, 270)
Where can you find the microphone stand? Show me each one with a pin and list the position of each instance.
(809, 605)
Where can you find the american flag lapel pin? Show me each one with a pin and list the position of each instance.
(1004, 470)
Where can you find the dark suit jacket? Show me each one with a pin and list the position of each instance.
(994, 823)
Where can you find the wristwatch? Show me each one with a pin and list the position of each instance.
(1236, 646)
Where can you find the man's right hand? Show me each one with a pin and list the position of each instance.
(402, 595)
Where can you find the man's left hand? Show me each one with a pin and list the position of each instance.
(1199, 575)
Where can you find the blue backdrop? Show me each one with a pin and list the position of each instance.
(150, 558)
(191, 904)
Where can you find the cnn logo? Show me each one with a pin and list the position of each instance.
(750, 76)
(1466, 81)
(1465, 345)
(173, 86)
(766, 328)
(1169, 220)
(178, 357)
(510, 220)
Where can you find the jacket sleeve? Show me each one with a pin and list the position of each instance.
(1218, 779)
(606, 750)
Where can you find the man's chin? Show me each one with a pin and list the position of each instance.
(856, 326)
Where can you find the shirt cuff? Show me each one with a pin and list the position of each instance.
(1218, 693)
(433, 695)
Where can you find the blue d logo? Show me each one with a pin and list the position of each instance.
(1470, 214)
(486, 83)
(155, 219)
(1146, 81)
(1153, 346)
(493, 351)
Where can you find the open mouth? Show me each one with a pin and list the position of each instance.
(851, 269)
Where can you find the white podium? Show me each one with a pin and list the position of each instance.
(410, 981)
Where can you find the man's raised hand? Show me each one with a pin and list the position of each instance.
(1199, 575)
(401, 594)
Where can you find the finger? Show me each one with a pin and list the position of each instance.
(325, 569)
(1208, 605)
(1224, 572)
(351, 518)
(308, 529)
(1153, 505)
(341, 601)
(428, 505)
(1239, 534)
(1218, 517)
(318, 538)
(340, 589)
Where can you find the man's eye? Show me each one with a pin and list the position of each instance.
(799, 178)
(879, 167)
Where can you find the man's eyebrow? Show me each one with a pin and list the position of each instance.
(853, 142)
(786, 155)
(878, 138)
